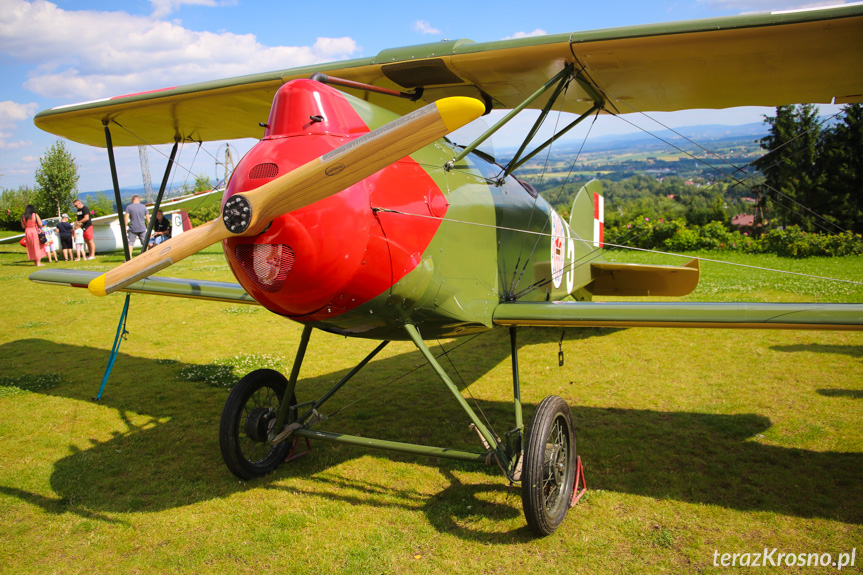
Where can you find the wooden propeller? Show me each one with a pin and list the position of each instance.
(249, 213)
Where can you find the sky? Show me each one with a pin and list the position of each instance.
(64, 52)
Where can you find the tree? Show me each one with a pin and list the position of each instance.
(207, 213)
(789, 166)
(56, 180)
(842, 169)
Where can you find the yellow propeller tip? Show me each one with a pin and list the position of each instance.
(457, 111)
(97, 286)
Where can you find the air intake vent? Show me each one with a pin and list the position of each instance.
(267, 265)
(261, 171)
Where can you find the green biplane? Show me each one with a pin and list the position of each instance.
(355, 215)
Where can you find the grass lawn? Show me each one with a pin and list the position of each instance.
(695, 442)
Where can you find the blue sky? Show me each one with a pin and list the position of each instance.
(77, 50)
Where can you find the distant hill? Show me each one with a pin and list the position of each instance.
(127, 193)
(706, 135)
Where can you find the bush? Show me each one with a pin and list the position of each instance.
(12, 204)
(683, 240)
(676, 236)
(796, 243)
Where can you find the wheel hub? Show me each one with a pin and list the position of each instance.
(258, 423)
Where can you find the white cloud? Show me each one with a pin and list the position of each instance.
(423, 27)
(4, 145)
(164, 7)
(10, 114)
(537, 32)
(85, 55)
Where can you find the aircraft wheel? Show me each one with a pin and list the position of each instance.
(251, 408)
(548, 474)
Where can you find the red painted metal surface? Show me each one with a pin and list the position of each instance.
(342, 254)
(580, 487)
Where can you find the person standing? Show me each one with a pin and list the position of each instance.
(137, 219)
(32, 224)
(50, 244)
(64, 230)
(83, 213)
(79, 241)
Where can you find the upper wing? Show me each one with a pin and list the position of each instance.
(682, 314)
(196, 289)
(812, 56)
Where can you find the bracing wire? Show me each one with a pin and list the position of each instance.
(598, 252)
(732, 176)
(376, 391)
(446, 353)
(177, 164)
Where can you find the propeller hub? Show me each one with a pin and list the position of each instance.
(237, 214)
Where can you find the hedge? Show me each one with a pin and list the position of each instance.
(676, 236)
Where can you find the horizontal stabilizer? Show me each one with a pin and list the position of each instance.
(644, 280)
(186, 288)
(833, 316)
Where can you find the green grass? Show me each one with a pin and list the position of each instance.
(693, 440)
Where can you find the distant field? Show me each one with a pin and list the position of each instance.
(695, 442)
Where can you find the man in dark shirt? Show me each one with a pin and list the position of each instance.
(83, 213)
(137, 218)
(64, 230)
(161, 230)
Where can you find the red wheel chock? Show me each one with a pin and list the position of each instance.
(292, 454)
(579, 481)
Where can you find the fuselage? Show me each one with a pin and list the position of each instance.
(414, 243)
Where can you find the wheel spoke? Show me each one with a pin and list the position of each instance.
(555, 465)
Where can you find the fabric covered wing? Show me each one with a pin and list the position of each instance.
(813, 56)
(682, 314)
(187, 288)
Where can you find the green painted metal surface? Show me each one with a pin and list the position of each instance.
(154, 285)
(396, 446)
(683, 314)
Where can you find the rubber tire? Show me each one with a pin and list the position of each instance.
(544, 518)
(261, 384)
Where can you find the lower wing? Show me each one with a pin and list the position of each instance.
(682, 314)
(187, 288)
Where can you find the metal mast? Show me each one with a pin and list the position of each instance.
(145, 173)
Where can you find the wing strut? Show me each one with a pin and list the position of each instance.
(559, 82)
(332, 80)
(559, 79)
(121, 328)
(598, 104)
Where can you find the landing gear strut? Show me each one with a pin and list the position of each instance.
(258, 430)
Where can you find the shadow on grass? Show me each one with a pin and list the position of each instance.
(168, 455)
(852, 393)
(852, 350)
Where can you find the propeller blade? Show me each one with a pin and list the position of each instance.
(248, 213)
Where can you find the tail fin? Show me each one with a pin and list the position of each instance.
(587, 218)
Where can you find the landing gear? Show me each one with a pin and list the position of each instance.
(548, 474)
(258, 430)
(249, 413)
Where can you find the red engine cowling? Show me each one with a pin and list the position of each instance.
(327, 258)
